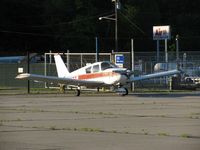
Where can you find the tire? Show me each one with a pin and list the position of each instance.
(78, 92)
(126, 92)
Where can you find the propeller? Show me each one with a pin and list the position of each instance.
(126, 72)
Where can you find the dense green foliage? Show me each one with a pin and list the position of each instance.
(42, 25)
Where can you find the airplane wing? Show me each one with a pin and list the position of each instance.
(54, 79)
(154, 75)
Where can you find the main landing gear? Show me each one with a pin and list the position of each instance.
(62, 90)
(77, 92)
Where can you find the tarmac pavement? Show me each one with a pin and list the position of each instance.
(100, 122)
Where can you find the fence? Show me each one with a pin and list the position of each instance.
(144, 64)
(9, 72)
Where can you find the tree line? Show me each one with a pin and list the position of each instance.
(62, 25)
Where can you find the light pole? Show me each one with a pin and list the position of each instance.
(177, 48)
(114, 17)
(116, 31)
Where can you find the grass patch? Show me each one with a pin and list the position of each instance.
(198, 113)
(162, 116)
(53, 128)
(185, 135)
(163, 134)
(18, 119)
(114, 131)
(145, 132)
(193, 117)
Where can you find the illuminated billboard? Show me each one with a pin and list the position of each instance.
(161, 32)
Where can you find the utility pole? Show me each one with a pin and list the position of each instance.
(132, 63)
(97, 51)
(116, 30)
(28, 71)
(177, 48)
(114, 17)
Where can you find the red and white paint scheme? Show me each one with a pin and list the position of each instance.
(99, 74)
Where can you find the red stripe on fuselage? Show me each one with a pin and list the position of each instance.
(96, 75)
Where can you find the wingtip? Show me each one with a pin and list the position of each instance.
(22, 76)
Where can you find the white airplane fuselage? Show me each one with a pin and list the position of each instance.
(108, 76)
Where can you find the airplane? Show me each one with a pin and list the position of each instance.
(11, 59)
(19, 59)
(99, 74)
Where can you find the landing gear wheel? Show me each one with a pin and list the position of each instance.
(126, 92)
(122, 91)
(78, 92)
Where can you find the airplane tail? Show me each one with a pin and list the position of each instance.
(61, 67)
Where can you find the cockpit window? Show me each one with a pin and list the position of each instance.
(88, 70)
(95, 68)
(106, 65)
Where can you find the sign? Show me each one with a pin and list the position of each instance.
(119, 60)
(20, 70)
(161, 32)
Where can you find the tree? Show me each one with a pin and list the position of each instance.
(73, 24)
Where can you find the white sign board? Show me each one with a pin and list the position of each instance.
(20, 70)
(161, 32)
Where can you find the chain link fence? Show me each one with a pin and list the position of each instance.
(144, 64)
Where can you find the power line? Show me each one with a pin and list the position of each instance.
(61, 23)
(25, 33)
(133, 24)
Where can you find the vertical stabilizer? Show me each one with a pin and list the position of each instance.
(60, 66)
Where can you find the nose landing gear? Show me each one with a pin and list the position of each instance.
(122, 91)
(77, 92)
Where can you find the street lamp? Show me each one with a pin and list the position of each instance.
(114, 17)
(109, 17)
(177, 48)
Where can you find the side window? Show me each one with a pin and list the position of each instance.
(95, 68)
(105, 66)
(88, 70)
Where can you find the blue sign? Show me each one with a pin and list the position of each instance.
(119, 59)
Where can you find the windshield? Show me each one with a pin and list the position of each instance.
(106, 65)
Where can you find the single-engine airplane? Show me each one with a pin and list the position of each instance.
(99, 74)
